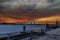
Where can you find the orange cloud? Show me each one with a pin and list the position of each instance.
(50, 19)
(24, 16)
(11, 20)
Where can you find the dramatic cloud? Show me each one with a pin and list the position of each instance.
(26, 10)
(24, 16)
(16, 4)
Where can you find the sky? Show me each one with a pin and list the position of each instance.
(14, 11)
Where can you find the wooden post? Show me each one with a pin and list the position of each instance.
(24, 28)
(9, 35)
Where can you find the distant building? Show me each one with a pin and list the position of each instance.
(58, 22)
(50, 0)
(30, 22)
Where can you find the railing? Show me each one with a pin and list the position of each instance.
(53, 35)
(9, 35)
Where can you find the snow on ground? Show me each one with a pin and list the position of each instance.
(55, 31)
(51, 35)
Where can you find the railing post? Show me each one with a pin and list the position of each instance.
(9, 35)
(30, 35)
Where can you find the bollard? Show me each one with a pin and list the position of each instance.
(24, 28)
(9, 35)
(30, 35)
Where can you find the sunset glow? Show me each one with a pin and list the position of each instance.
(10, 20)
(21, 11)
(51, 19)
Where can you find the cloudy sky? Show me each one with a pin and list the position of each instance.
(26, 10)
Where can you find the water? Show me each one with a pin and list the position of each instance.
(17, 28)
